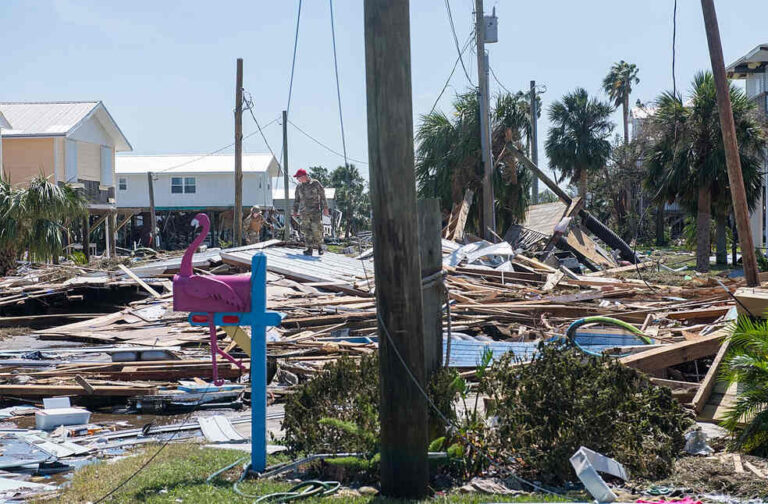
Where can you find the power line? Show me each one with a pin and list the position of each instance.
(456, 39)
(185, 163)
(450, 76)
(324, 146)
(293, 62)
(338, 87)
(498, 81)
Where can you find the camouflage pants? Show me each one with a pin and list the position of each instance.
(312, 229)
(252, 237)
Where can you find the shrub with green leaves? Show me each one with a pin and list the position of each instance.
(563, 399)
(346, 391)
(747, 364)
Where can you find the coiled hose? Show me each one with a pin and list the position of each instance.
(570, 334)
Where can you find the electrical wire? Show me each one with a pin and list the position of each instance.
(154, 455)
(215, 151)
(324, 146)
(338, 89)
(453, 70)
(498, 81)
(293, 61)
(456, 40)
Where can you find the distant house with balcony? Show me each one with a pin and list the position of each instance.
(73, 142)
(753, 69)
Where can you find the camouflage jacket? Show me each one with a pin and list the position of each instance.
(310, 198)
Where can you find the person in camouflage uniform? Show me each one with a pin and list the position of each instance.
(310, 204)
(253, 225)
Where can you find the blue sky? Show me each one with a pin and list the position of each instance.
(166, 69)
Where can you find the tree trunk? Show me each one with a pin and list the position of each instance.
(703, 246)
(625, 113)
(721, 247)
(583, 183)
(660, 240)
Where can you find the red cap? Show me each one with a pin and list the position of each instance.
(301, 172)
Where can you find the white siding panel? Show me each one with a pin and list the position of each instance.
(70, 163)
(88, 161)
(107, 169)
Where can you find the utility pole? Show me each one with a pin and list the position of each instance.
(287, 235)
(534, 142)
(237, 213)
(732, 160)
(152, 216)
(403, 409)
(488, 220)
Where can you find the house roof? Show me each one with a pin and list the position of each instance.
(195, 163)
(752, 62)
(45, 119)
(278, 193)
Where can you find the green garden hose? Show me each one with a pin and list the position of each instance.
(570, 334)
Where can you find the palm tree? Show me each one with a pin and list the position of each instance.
(618, 85)
(747, 364)
(686, 161)
(449, 158)
(351, 197)
(577, 143)
(33, 220)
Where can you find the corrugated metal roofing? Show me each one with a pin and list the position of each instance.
(53, 118)
(195, 163)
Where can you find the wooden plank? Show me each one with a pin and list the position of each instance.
(621, 269)
(708, 383)
(757, 472)
(72, 390)
(141, 282)
(737, 463)
(676, 353)
(703, 313)
(552, 280)
(84, 383)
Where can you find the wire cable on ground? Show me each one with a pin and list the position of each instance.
(159, 450)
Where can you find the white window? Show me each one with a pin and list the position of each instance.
(177, 185)
(122, 183)
(189, 185)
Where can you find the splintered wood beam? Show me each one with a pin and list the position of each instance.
(676, 353)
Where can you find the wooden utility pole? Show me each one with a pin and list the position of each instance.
(87, 237)
(489, 218)
(237, 214)
(403, 409)
(286, 193)
(534, 143)
(152, 216)
(732, 160)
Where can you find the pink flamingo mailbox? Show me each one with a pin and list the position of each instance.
(230, 300)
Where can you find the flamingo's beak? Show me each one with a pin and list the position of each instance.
(195, 223)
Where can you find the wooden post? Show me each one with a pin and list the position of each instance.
(152, 217)
(431, 253)
(112, 233)
(403, 409)
(87, 237)
(728, 128)
(237, 214)
(286, 194)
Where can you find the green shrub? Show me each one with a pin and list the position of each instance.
(563, 399)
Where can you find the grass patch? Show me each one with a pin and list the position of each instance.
(178, 474)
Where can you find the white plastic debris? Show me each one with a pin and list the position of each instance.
(58, 411)
(588, 463)
(696, 443)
